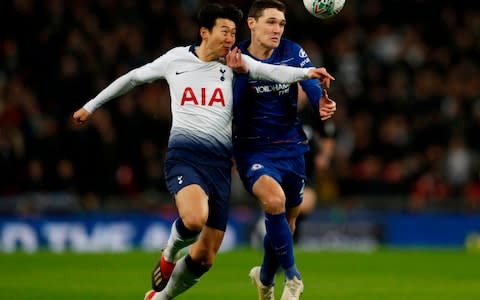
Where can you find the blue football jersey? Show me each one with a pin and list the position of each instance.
(265, 113)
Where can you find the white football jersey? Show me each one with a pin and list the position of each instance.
(201, 98)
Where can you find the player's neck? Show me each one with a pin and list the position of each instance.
(260, 52)
(204, 55)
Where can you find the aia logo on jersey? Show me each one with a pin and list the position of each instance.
(201, 98)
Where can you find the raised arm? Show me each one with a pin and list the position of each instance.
(285, 74)
(121, 85)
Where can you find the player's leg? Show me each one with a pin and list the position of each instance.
(202, 254)
(192, 204)
(292, 216)
(294, 187)
(186, 183)
(263, 182)
(191, 267)
(293, 286)
(278, 240)
(305, 209)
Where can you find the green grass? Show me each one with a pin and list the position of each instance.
(385, 274)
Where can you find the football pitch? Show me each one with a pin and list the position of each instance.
(384, 274)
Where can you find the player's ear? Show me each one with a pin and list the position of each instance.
(203, 32)
(251, 22)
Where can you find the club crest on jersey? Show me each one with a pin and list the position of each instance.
(222, 77)
(215, 98)
(302, 53)
(256, 167)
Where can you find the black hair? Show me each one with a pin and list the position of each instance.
(258, 6)
(213, 11)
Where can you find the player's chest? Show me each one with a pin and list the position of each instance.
(204, 86)
(200, 74)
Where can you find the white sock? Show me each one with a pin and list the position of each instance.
(182, 279)
(176, 243)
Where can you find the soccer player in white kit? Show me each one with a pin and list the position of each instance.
(198, 160)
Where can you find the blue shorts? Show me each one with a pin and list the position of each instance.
(215, 181)
(288, 172)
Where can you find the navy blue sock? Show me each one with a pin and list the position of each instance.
(194, 267)
(184, 232)
(281, 240)
(269, 265)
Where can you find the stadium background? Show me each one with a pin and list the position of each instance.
(406, 165)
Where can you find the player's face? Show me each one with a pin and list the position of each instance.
(268, 29)
(221, 38)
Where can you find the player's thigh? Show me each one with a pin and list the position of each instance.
(270, 194)
(207, 245)
(192, 205)
(252, 167)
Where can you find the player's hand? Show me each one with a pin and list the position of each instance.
(81, 115)
(235, 61)
(327, 106)
(322, 75)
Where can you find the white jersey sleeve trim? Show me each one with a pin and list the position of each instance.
(278, 73)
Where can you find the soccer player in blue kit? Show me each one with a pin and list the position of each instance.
(269, 142)
(198, 159)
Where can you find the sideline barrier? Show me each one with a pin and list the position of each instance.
(360, 231)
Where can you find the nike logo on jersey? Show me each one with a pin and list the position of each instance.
(180, 72)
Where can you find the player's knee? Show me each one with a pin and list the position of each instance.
(274, 204)
(194, 222)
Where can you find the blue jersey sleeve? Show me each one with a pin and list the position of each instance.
(311, 86)
(314, 92)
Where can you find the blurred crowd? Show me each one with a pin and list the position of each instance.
(407, 89)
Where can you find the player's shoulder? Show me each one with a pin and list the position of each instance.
(176, 54)
(178, 51)
(289, 44)
(291, 51)
(293, 48)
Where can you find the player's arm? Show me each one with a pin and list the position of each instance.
(314, 90)
(120, 86)
(284, 74)
(318, 98)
